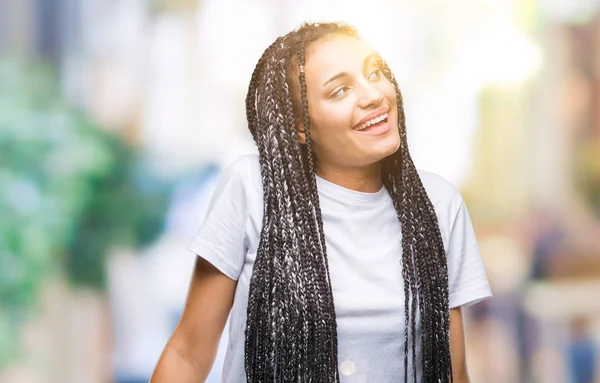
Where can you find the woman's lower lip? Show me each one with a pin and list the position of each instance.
(376, 130)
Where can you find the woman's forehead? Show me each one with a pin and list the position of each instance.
(336, 53)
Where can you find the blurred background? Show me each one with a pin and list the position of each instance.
(116, 117)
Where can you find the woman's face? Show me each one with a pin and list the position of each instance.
(352, 105)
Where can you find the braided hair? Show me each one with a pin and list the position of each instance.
(291, 331)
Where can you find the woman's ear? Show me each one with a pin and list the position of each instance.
(300, 131)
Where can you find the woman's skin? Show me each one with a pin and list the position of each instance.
(344, 85)
(190, 352)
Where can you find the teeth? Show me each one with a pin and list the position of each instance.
(372, 121)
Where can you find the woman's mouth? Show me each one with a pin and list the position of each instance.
(375, 126)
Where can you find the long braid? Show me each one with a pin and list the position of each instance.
(398, 181)
(301, 218)
(273, 289)
(292, 160)
(257, 336)
(432, 270)
(315, 292)
(291, 331)
(329, 315)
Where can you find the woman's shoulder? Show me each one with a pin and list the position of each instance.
(244, 172)
(444, 196)
(245, 165)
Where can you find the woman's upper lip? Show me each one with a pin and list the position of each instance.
(372, 115)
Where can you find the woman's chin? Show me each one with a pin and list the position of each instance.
(388, 147)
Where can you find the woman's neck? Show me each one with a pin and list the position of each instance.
(364, 179)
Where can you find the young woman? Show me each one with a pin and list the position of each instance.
(337, 259)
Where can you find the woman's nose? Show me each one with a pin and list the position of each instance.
(370, 96)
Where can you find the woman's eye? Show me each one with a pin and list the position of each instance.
(340, 92)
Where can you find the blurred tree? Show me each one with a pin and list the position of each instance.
(159, 6)
(587, 173)
(126, 208)
(70, 192)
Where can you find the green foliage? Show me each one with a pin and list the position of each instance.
(127, 209)
(70, 192)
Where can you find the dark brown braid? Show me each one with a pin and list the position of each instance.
(291, 331)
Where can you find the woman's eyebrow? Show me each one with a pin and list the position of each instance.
(339, 75)
(367, 59)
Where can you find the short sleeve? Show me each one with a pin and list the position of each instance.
(467, 279)
(221, 237)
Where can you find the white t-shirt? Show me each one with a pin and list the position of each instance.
(363, 238)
